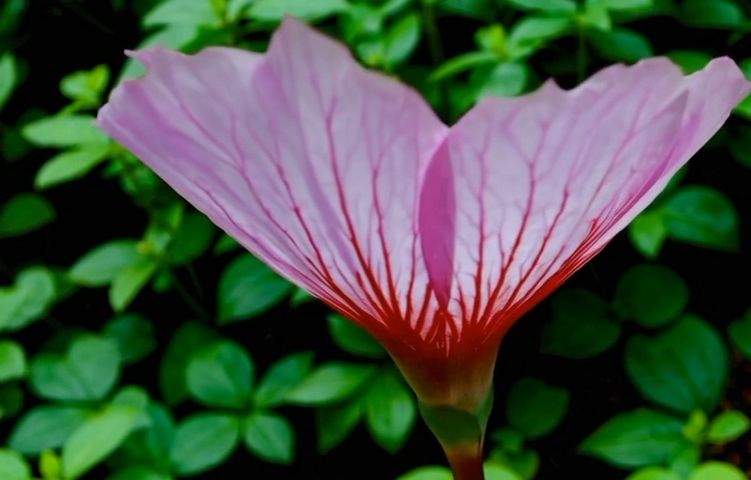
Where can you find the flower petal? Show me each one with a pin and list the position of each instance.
(541, 183)
(311, 162)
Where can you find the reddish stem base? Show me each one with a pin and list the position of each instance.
(466, 463)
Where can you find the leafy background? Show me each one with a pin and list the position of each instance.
(137, 342)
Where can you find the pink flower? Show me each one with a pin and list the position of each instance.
(435, 239)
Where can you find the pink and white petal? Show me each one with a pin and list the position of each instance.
(311, 162)
(541, 183)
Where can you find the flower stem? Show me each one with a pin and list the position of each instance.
(466, 463)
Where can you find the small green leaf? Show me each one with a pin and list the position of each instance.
(532, 32)
(581, 326)
(505, 80)
(335, 422)
(86, 86)
(45, 427)
(70, 165)
(275, 10)
(8, 77)
(428, 473)
(717, 471)
(182, 12)
(13, 466)
(627, 4)
(712, 14)
(740, 334)
(651, 295)
(548, 6)
(11, 400)
(727, 426)
(12, 361)
(96, 438)
(353, 339)
(282, 377)
(330, 382)
(187, 339)
(247, 288)
(535, 408)
(86, 372)
(63, 131)
(462, 63)
(104, 263)
(203, 441)
(621, 45)
(126, 285)
(220, 375)
(138, 472)
(690, 61)
(390, 410)
(192, 239)
(24, 213)
(27, 299)
(653, 473)
(494, 471)
(402, 39)
(648, 233)
(270, 437)
(133, 334)
(637, 438)
(702, 216)
(684, 368)
(50, 465)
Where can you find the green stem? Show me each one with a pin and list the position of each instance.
(431, 31)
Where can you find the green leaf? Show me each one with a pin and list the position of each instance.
(651, 295)
(329, 383)
(494, 471)
(740, 334)
(270, 437)
(192, 239)
(654, 473)
(532, 32)
(635, 439)
(203, 441)
(690, 61)
(27, 299)
(462, 63)
(11, 400)
(628, 4)
(13, 466)
(12, 361)
(150, 444)
(581, 326)
(728, 426)
(247, 288)
(24, 213)
(621, 45)
(402, 39)
(45, 427)
(282, 377)
(548, 6)
(101, 265)
(138, 473)
(535, 408)
(220, 375)
(133, 334)
(8, 77)
(428, 473)
(86, 86)
(187, 339)
(275, 10)
(390, 410)
(63, 131)
(648, 233)
(717, 471)
(712, 14)
(96, 438)
(182, 12)
(70, 165)
(353, 339)
(126, 285)
(702, 216)
(334, 423)
(86, 372)
(684, 368)
(505, 80)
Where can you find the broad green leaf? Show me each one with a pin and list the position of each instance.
(12, 361)
(203, 441)
(86, 86)
(126, 285)
(31, 294)
(45, 427)
(138, 472)
(182, 12)
(548, 6)
(24, 213)
(70, 164)
(247, 288)
(622, 45)
(96, 438)
(535, 408)
(63, 131)
(133, 334)
(390, 410)
(402, 39)
(727, 426)
(353, 339)
(330, 382)
(653, 473)
(703, 216)
(220, 375)
(270, 437)
(712, 14)
(150, 444)
(690, 61)
(8, 77)
(104, 263)
(532, 32)
(335, 422)
(648, 233)
(684, 368)
(192, 239)
(86, 372)
(740, 334)
(187, 339)
(717, 471)
(13, 466)
(635, 439)
(581, 326)
(651, 295)
(494, 471)
(275, 10)
(428, 473)
(282, 377)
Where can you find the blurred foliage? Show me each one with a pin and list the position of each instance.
(113, 399)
